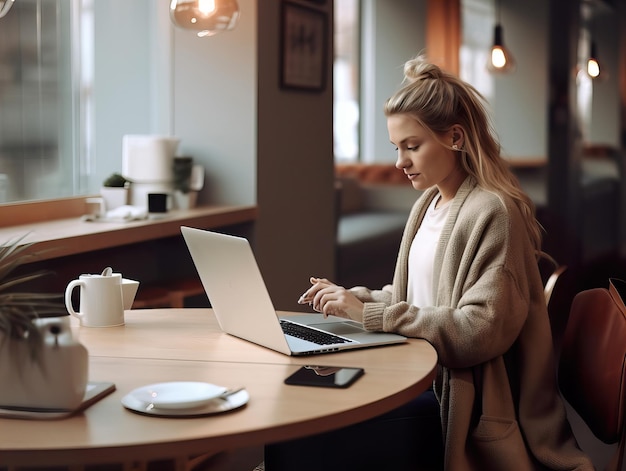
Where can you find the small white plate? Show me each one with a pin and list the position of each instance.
(215, 406)
(178, 394)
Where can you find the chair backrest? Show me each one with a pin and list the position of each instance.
(551, 272)
(592, 362)
(558, 290)
(552, 281)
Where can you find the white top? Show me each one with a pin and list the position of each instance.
(422, 255)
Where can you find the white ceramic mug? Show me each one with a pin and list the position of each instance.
(96, 207)
(100, 300)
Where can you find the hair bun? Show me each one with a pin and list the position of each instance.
(419, 69)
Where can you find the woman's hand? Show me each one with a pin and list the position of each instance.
(330, 299)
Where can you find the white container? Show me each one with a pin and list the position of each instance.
(114, 197)
(148, 158)
(184, 200)
(56, 380)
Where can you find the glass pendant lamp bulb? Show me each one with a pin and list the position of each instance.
(593, 69)
(206, 17)
(500, 58)
(593, 66)
(206, 7)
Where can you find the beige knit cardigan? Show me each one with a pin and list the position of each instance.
(496, 382)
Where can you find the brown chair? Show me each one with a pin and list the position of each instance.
(552, 281)
(151, 297)
(558, 289)
(168, 294)
(184, 288)
(551, 272)
(592, 372)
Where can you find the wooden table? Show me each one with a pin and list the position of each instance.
(158, 345)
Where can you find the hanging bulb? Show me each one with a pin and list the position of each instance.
(207, 17)
(500, 58)
(593, 66)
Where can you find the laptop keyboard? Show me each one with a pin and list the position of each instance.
(312, 335)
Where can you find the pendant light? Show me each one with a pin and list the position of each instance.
(5, 6)
(593, 66)
(206, 17)
(500, 58)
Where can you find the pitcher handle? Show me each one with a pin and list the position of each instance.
(68, 298)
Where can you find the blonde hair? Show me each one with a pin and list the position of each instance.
(438, 101)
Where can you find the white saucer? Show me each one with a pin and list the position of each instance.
(194, 402)
(178, 394)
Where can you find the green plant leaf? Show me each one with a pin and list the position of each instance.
(19, 309)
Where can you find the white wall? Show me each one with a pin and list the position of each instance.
(153, 78)
(520, 100)
(214, 106)
(121, 88)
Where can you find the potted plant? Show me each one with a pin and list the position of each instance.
(114, 191)
(184, 198)
(41, 364)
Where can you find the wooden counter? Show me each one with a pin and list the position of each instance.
(62, 237)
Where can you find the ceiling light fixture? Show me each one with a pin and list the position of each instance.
(206, 17)
(500, 58)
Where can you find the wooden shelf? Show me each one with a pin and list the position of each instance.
(70, 236)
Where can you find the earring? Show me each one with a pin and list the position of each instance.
(455, 147)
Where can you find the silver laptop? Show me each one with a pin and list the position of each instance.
(242, 305)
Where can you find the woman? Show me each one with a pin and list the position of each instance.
(467, 281)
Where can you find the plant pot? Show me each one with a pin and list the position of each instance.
(114, 197)
(55, 379)
(185, 200)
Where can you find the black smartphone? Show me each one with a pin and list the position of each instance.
(325, 376)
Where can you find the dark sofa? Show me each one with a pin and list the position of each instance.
(373, 205)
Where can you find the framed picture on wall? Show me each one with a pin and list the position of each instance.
(303, 47)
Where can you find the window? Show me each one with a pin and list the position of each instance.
(478, 20)
(38, 106)
(346, 77)
(372, 41)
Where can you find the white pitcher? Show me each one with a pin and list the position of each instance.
(101, 303)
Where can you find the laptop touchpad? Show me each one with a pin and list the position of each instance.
(340, 328)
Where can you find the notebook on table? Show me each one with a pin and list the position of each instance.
(243, 308)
